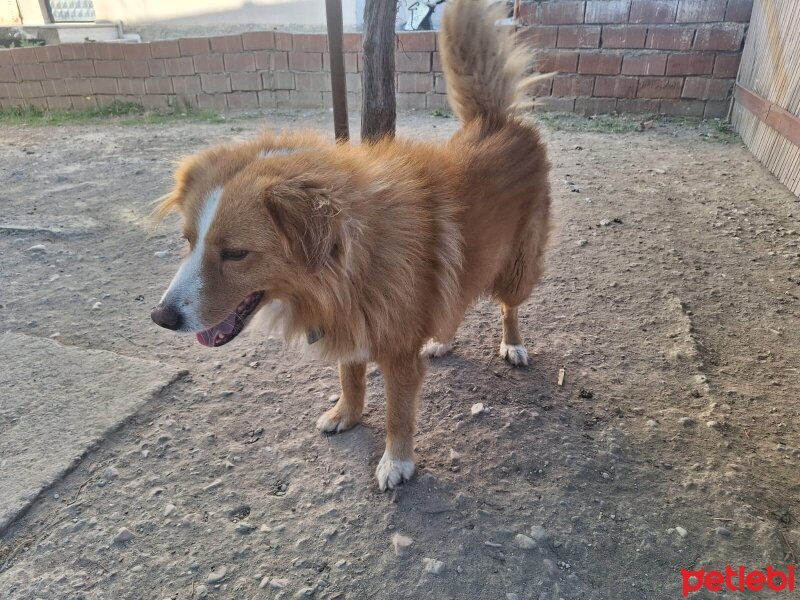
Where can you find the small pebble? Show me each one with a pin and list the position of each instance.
(582, 243)
(524, 542)
(304, 592)
(455, 457)
(278, 584)
(433, 566)
(686, 421)
(723, 531)
(160, 253)
(217, 575)
(38, 248)
(539, 534)
(123, 535)
(681, 532)
(712, 424)
(512, 596)
(477, 409)
(169, 509)
(245, 528)
(401, 544)
(97, 305)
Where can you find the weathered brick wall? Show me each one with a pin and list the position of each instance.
(675, 57)
(652, 56)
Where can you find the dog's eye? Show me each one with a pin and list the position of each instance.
(233, 254)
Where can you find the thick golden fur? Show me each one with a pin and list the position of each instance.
(384, 246)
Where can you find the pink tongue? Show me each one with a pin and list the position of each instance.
(227, 326)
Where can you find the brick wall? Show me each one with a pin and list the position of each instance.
(674, 57)
(653, 56)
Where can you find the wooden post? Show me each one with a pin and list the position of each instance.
(378, 105)
(341, 127)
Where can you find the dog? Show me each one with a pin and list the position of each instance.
(373, 252)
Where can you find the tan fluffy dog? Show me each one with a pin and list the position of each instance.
(369, 252)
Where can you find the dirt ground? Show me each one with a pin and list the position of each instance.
(671, 302)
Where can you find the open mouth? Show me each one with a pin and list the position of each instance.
(232, 325)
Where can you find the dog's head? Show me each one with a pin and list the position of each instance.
(258, 226)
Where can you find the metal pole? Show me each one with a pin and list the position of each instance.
(341, 127)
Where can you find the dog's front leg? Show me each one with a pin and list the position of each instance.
(403, 378)
(346, 413)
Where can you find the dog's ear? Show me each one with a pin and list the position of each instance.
(307, 220)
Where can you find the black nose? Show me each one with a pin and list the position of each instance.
(167, 317)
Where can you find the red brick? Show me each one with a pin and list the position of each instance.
(721, 36)
(539, 37)
(739, 10)
(700, 11)
(47, 53)
(596, 63)
(350, 62)
(54, 87)
(561, 61)
(416, 62)
(108, 68)
(670, 38)
(157, 67)
(31, 89)
(660, 87)
(24, 55)
(351, 42)
(135, 68)
(683, 108)
(353, 81)
(240, 63)
(415, 82)
(84, 102)
(30, 72)
(242, 100)
(727, 65)
(579, 36)
(54, 70)
(436, 62)
(271, 60)
(707, 89)
(78, 87)
(411, 101)
(258, 40)
(187, 84)
(194, 46)
(226, 44)
(73, 51)
(283, 41)
(80, 68)
(8, 75)
(103, 85)
(415, 41)
(637, 106)
(543, 87)
(624, 36)
(59, 103)
(644, 64)
(5, 57)
(573, 85)
(695, 63)
(213, 84)
(104, 99)
(595, 106)
(245, 82)
(607, 11)
(616, 87)
(278, 80)
(179, 66)
(131, 86)
(104, 51)
(134, 51)
(158, 85)
(310, 42)
(208, 64)
(716, 109)
(554, 105)
(165, 49)
(563, 12)
(434, 101)
(155, 101)
(528, 12)
(305, 61)
(312, 82)
(651, 12)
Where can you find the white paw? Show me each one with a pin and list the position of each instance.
(434, 349)
(515, 354)
(331, 422)
(391, 473)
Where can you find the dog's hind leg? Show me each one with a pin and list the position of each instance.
(346, 413)
(403, 376)
(511, 347)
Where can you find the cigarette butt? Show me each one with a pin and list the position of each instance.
(561, 373)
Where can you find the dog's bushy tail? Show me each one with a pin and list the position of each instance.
(484, 67)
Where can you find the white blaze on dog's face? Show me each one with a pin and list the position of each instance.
(253, 236)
